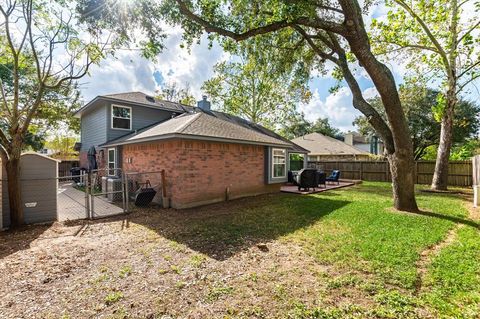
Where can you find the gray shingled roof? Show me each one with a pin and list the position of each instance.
(142, 99)
(200, 125)
(319, 144)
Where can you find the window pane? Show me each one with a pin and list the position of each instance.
(121, 112)
(279, 152)
(121, 123)
(111, 155)
(278, 170)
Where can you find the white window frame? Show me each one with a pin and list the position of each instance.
(112, 117)
(273, 162)
(114, 161)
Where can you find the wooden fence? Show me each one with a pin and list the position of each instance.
(459, 172)
(65, 165)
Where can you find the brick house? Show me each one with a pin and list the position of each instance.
(208, 156)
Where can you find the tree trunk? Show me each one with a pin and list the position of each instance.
(440, 176)
(402, 165)
(403, 182)
(12, 166)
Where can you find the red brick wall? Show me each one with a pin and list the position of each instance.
(200, 172)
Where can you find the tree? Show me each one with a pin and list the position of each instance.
(174, 93)
(437, 38)
(311, 33)
(244, 86)
(296, 125)
(44, 53)
(62, 146)
(418, 103)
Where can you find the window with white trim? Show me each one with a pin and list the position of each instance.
(279, 163)
(121, 117)
(112, 162)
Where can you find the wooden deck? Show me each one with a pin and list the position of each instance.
(294, 189)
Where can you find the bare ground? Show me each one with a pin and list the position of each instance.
(132, 267)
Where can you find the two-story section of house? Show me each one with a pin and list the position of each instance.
(109, 117)
(208, 156)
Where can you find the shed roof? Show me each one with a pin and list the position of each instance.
(319, 144)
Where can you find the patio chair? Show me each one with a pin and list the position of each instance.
(307, 178)
(322, 178)
(334, 177)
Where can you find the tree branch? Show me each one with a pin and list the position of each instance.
(274, 26)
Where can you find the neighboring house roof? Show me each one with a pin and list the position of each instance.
(319, 144)
(138, 98)
(204, 125)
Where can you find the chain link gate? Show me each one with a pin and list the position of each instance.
(106, 193)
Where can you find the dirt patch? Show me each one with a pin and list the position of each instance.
(155, 263)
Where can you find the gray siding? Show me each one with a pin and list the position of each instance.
(141, 117)
(38, 178)
(94, 127)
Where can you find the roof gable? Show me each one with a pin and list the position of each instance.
(319, 144)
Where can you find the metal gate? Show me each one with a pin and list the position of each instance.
(93, 194)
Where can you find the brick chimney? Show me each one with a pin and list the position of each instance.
(204, 104)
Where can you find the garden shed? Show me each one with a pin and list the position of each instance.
(39, 184)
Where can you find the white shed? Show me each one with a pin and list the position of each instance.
(39, 186)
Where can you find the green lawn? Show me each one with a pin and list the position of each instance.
(374, 249)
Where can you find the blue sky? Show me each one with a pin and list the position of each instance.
(128, 71)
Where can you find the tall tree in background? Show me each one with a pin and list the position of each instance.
(439, 39)
(251, 86)
(314, 32)
(44, 54)
(418, 102)
(173, 92)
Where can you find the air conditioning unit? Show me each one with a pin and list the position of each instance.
(114, 185)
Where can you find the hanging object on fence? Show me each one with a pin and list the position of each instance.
(92, 158)
(145, 194)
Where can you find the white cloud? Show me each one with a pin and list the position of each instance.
(129, 71)
(336, 107)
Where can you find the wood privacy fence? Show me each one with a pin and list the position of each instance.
(65, 165)
(459, 172)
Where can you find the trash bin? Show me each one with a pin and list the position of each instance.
(75, 171)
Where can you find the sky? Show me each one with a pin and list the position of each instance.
(128, 71)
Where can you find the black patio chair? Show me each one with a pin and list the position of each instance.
(307, 178)
(334, 177)
(322, 178)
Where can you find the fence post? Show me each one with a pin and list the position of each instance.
(87, 199)
(361, 171)
(165, 203)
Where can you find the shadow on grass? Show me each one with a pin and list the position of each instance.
(457, 220)
(15, 240)
(222, 230)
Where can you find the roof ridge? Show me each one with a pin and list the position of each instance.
(195, 117)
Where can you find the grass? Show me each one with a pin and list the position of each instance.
(339, 254)
(357, 231)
